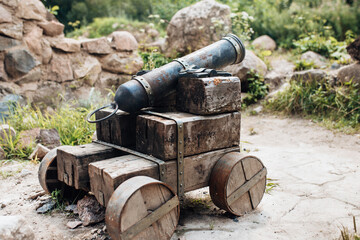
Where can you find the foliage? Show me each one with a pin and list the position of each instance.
(271, 184)
(256, 89)
(68, 121)
(327, 46)
(153, 58)
(104, 26)
(13, 148)
(347, 235)
(321, 101)
(304, 65)
(285, 20)
(240, 24)
(57, 197)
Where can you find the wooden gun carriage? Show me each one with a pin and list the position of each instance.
(143, 163)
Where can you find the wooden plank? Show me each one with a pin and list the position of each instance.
(73, 161)
(211, 95)
(120, 129)
(158, 136)
(107, 175)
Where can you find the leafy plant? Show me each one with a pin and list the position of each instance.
(271, 184)
(256, 89)
(57, 197)
(153, 58)
(337, 105)
(12, 147)
(68, 121)
(304, 65)
(327, 46)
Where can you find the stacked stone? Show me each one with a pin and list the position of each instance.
(38, 62)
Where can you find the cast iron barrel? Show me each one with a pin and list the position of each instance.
(143, 90)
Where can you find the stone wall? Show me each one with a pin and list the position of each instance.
(38, 62)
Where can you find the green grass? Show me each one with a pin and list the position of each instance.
(256, 89)
(104, 26)
(337, 107)
(68, 121)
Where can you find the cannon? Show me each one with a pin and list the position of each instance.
(143, 90)
(143, 162)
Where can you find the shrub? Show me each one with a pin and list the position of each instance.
(104, 26)
(301, 65)
(256, 89)
(321, 101)
(68, 121)
(153, 58)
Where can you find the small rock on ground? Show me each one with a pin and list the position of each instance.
(14, 228)
(73, 224)
(90, 211)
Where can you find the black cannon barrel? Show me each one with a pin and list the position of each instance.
(143, 90)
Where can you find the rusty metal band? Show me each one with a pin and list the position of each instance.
(183, 63)
(247, 186)
(160, 163)
(144, 223)
(180, 151)
(147, 88)
(240, 50)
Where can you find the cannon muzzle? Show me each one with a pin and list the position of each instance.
(142, 91)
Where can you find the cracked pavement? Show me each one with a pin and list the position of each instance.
(319, 185)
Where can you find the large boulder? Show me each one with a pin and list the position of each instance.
(309, 75)
(317, 59)
(282, 66)
(264, 42)
(109, 80)
(354, 49)
(18, 62)
(250, 63)
(97, 46)
(59, 69)
(12, 29)
(122, 62)
(33, 76)
(67, 45)
(38, 45)
(14, 228)
(5, 15)
(88, 70)
(123, 41)
(32, 10)
(350, 72)
(197, 26)
(52, 28)
(6, 43)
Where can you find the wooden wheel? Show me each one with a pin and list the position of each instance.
(48, 179)
(237, 183)
(142, 208)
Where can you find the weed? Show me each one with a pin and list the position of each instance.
(256, 89)
(346, 235)
(338, 105)
(13, 148)
(271, 184)
(57, 197)
(68, 121)
(153, 58)
(302, 64)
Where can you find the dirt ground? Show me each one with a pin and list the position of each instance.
(318, 192)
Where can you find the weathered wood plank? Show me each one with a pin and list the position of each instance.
(120, 129)
(211, 95)
(107, 175)
(157, 136)
(73, 161)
